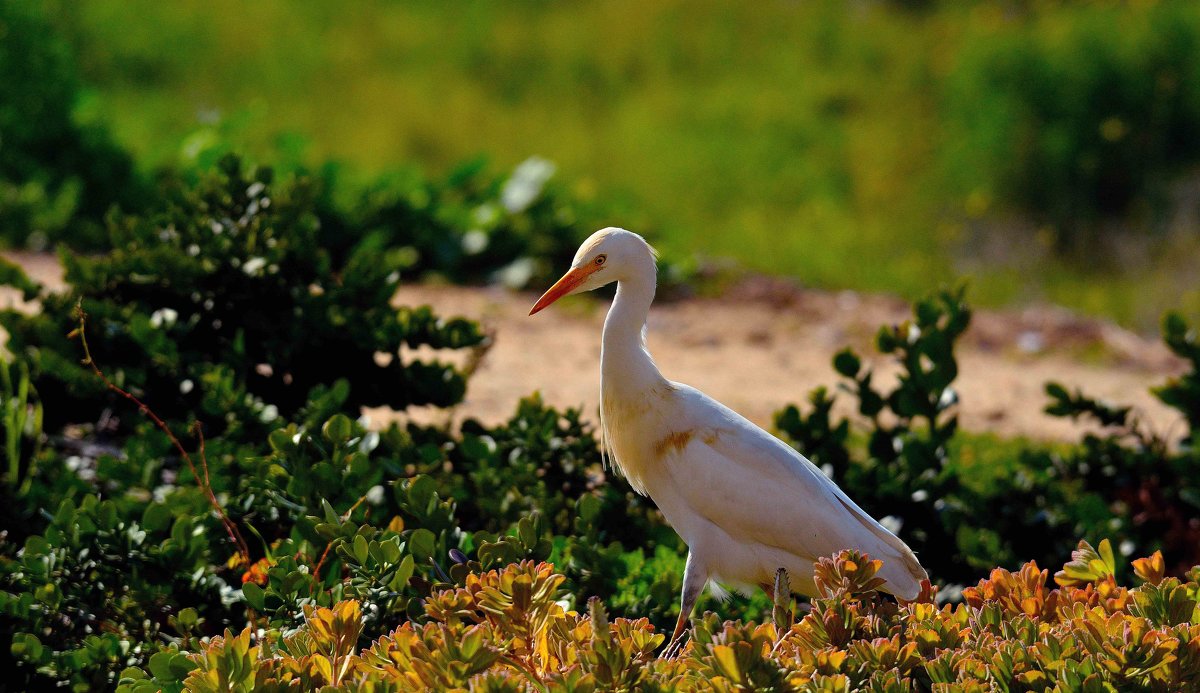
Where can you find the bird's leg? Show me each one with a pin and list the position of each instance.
(694, 579)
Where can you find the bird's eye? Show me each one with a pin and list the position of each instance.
(600, 259)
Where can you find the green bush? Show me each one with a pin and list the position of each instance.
(474, 227)
(58, 176)
(221, 302)
(1077, 116)
(332, 511)
(1149, 482)
(965, 503)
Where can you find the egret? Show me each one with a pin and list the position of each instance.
(745, 503)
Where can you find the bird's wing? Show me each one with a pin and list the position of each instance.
(758, 489)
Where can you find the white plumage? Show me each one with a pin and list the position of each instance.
(745, 503)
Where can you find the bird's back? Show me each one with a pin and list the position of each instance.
(742, 498)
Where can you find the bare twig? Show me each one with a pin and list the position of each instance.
(235, 534)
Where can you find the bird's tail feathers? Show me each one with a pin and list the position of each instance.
(903, 572)
(901, 568)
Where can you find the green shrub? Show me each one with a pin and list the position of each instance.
(1148, 481)
(97, 591)
(58, 176)
(966, 503)
(1078, 115)
(474, 227)
(221, 302)
(333, 512)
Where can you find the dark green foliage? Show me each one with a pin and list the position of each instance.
(1183, 392)
(472, 226)
(96, 590)
(22, 413)
(966, 503)
(222, 303)
(1079, 121)
(904, 471)
(333, 512)
(1151, 482)
(58, 177)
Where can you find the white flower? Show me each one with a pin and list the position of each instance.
(474, 242)
(891, 523)
(375, 495)
(163, 316)
(186, 386)
(525, 184)
(517, 274)
(269, 413)
(254, 266)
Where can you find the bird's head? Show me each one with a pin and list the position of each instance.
(607, 256)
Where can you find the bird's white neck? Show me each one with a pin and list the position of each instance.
(625, 364)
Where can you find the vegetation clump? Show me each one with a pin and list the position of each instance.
(504, 630)
(967, 502)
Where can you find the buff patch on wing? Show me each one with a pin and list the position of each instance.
(676, 441)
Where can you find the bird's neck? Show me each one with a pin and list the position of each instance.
(625, 364)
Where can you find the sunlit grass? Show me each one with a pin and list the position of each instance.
(796, 138)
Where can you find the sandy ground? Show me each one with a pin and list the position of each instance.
(760, 348)
(765, 343)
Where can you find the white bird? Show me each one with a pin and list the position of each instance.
(745, 503)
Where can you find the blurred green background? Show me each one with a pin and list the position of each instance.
(1047, 150)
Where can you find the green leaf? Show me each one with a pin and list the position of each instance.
(361, 550)
(422, 544)
(281, 440)
(420, 491)
(160, 665)
(403, 573)
(188, 617)
(181, 665)
(338, 429)
(66, 514)
(255, 596)
(157, 517)
(26, 646)
(588, 508)
(847, 363)
(390, 549)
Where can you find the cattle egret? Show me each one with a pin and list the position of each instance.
(745, 503)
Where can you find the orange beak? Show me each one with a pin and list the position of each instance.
(572, 279)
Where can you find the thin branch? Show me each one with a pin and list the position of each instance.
(321, 561)
(235, 535)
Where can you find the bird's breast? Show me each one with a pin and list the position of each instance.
(637, 434)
